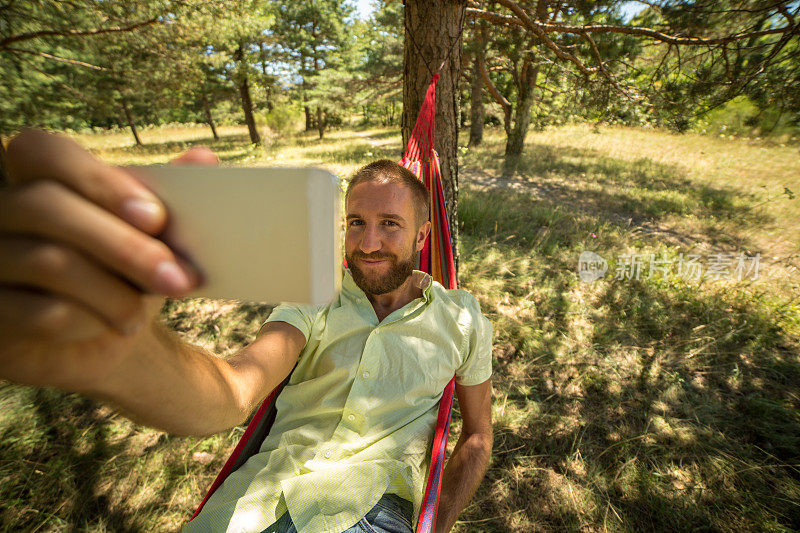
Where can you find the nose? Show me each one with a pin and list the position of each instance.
(370, 240)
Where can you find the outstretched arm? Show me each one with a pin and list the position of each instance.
(467, 466)
(178, 387)
(83, 277)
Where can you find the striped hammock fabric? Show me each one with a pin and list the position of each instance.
(436, 258)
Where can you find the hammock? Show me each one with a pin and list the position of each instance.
(436, 258)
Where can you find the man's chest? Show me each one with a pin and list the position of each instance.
(397, 362)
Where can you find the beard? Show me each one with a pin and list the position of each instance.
(372, 283)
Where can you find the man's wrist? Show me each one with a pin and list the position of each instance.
(111, 377)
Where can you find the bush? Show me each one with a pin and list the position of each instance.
(283, 119)
(738, 116)
(742, 117)
(491, 120)
(334, 120)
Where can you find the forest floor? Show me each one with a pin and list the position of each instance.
(658, 402)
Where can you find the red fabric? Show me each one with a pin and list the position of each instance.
(436, 258)
(430, 500)
(420, 144)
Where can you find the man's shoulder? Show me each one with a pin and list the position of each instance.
(457, 299)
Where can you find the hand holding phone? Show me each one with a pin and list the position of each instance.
(80, 268)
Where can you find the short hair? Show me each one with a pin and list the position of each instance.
(386, 171)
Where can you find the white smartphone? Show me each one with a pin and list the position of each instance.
(255, 234)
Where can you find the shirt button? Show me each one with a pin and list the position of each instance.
(328, 454)
(351, 418)
(365, 375)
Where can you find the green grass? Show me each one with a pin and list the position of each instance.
(623, 405)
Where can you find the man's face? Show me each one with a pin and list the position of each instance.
(381, 237)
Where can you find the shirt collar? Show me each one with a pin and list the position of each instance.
(421, 279)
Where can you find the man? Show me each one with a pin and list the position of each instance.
(80, 265)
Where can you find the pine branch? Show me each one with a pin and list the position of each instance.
(56, 58)
(522, 19)
(499, 98)
(4, 43)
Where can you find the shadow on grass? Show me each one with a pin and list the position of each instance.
(60, 459)
(225, 143)
(580, 182)
(356, 152)
(336, 147)
(645, 405)
(376, 133)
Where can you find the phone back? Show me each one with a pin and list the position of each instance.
(256, 234)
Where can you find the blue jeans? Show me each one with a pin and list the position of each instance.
(392, 514)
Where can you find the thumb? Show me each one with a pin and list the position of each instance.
(198, 155)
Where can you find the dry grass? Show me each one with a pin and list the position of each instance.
(637, 405)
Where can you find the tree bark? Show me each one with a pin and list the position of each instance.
(131, 125)
(306, 107)
(3, 174)
(209, 118)
(476, 105)
(265, 78)
(320, 122)
(522, 117)
(437, 27)
(476, 89)
(244, 93)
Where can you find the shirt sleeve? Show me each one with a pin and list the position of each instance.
(300, 316)
(477, 365)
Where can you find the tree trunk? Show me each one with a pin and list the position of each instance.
(265, 78)
(476, 103)
(247, 107)
(476, 89)
(131, 125)
(244, 93)
(462, 117)
(522, 118)
(209, 118)
(320, 122)
(437, 28)
(3, 173)
(306, 108)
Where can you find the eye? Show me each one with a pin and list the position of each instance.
(392, 222)
(354, 222)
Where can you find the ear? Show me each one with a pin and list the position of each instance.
(422, 234)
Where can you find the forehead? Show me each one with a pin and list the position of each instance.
(371, 196)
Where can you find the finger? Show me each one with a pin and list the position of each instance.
(36, 154)
(45, 209)
(26, 314)
(198, 155)
(68, 273)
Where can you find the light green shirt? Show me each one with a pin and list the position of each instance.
(357, 416)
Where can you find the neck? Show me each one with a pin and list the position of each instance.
(385, 304)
